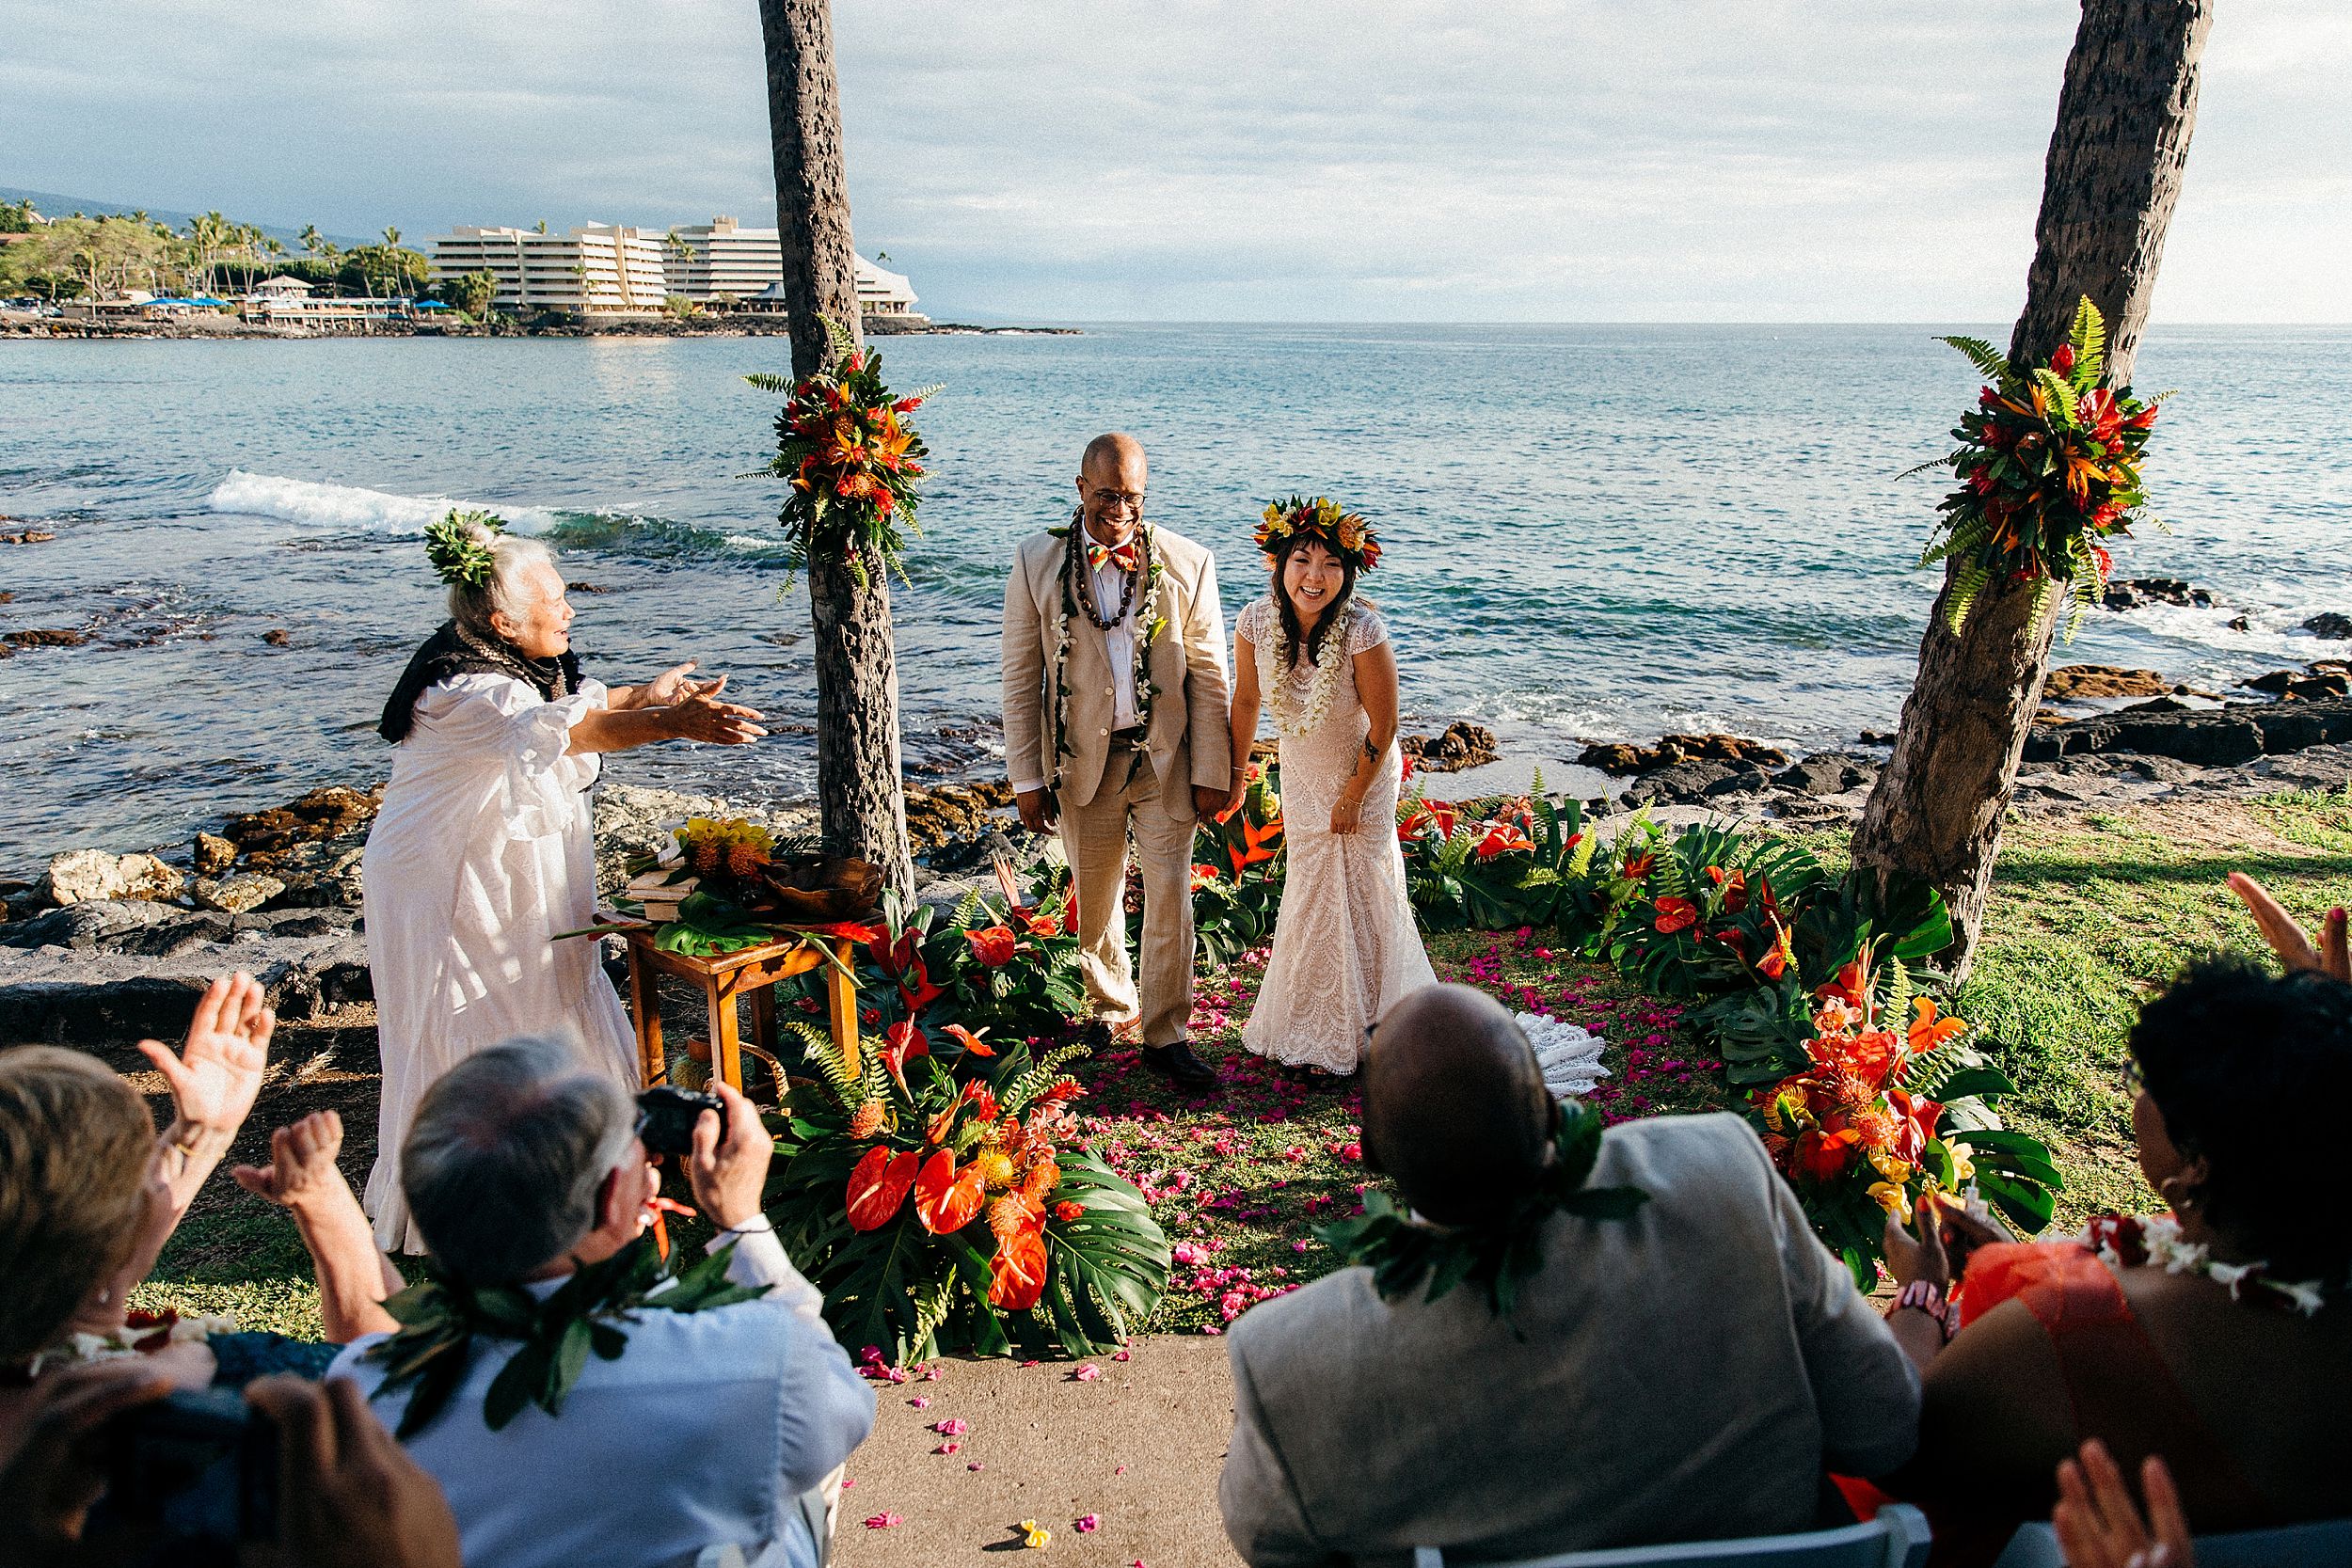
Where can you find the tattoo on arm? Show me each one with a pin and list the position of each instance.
(1372, 752)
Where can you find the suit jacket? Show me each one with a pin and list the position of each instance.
(1187, 739)
(1682, 1376)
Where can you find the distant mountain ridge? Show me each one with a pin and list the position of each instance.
(50, 204)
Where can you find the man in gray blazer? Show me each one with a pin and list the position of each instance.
(1116, 707)
(1683, 1374)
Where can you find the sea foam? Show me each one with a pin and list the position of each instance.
(350, 508)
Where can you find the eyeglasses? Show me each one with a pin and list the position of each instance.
(1118, 501)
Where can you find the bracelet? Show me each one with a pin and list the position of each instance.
(1923, 1295)
(760, 1226)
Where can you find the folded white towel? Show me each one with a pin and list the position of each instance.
(1569, 1055)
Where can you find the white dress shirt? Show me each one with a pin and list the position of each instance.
(1119, 643)
(705, 1432)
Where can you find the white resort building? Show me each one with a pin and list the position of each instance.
(721, 257)
(599, 269)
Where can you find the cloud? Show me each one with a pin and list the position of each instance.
(1074, 159)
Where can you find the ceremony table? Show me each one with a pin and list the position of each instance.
(726, 977)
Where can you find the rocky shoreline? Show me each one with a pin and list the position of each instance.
(106, 946)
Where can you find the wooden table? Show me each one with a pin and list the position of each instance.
(750, 972)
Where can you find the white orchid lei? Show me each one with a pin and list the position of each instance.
(1149, 626)
(2128, 1241)
(1274, 672)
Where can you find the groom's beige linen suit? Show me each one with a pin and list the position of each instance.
(1107, 779)
(1681, 1375)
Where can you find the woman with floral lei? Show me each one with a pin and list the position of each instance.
(2215, 1335)
(1318, 663)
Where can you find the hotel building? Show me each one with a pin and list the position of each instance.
(721, 257)
(597, 269)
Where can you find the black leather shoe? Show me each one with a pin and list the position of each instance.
(1177, 1064)
(1095, 1036)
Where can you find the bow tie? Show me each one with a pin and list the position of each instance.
(1121, 556)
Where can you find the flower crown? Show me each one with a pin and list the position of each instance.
(1345, 533)
(461, 560)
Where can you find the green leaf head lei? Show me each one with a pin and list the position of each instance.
(460, 557)
(1498, 1256)
(440, 1315)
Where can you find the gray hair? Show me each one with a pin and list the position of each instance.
(511, 556)
(507, 1153)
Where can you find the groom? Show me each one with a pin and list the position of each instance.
(1114, 720)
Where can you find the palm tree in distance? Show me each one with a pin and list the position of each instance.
(391, 236)
(312, 242)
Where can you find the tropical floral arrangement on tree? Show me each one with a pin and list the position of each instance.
(945, 1212)
(2049, 465)
(850, 458)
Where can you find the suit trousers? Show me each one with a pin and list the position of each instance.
(1094, 836)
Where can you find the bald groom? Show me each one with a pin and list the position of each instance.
(1116, 705)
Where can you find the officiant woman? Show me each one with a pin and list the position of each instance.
(484, 849)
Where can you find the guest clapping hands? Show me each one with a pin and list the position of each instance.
(2330, 956)
(2099, 1527)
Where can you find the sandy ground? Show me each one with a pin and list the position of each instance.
(1139, 1448)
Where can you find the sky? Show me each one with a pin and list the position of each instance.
(1311, 160)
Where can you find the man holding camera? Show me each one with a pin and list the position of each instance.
(707, 1427)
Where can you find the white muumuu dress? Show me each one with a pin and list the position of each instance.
(1345, 945)
(483, 850)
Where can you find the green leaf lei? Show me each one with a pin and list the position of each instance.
(441, 1315)
(1497, 1256)
(457, 557)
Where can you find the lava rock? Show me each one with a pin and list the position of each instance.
(279, 637)
(242, 894)
(2294, 683)
(1620, 758)
(213, 855)
(2239, 623)
(81, 926)
(2209, 738)
(83, 876)
(328, 811)
(61, 638)
(325, 873)
(2334, 627)
(2133, 593)
(947, 814)
(2075, 682)
(27, 536)
(1461, 745)
(1828, 773)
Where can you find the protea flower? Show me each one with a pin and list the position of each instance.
(744, 860)
(867, 1119)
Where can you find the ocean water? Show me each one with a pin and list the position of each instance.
(1592, 531)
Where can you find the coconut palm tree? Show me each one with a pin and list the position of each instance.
(391, 237)
(858, 780)
(2114, 172)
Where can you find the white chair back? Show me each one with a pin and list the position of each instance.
(2323, 1543)
(1897, 1538)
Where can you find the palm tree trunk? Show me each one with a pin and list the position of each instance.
(860, 791)
(2114, 172)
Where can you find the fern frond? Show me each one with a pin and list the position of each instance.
(1039, 1078)
(1967, 582)
(2061, 391)
(2088, 338)
(1989, 361)
(843, 342)
(849, 1090)
(768, 383)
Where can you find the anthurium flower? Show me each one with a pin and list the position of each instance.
(1502, 839)
(992, 945)
(1017, 1272)
(1676, 914)
(970, 1040)
(878, 1184)
(945, 1200)
(1204, 876)
(1823, 1156)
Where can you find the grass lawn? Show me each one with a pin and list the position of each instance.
(2088, 915)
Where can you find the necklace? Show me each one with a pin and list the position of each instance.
(1084, 592)
(141, 1334)
(1275, 678)
(1150, 623)
(1497, 1256)
(2130, 1240)
(440, 1315)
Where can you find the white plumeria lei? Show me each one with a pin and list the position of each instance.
(1274, 668)
(2159, 1237)
(129, 1340)
(1149, 624)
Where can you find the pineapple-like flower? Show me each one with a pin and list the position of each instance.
(745, 860)
(704, 856)
(867, 1119)
(1009, 1214)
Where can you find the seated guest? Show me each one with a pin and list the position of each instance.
(89, 1193)
(688, 1428)
(482, 849)
(2216, 1335)
(1684, 1372)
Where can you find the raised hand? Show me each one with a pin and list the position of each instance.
(2097, 1526)
(700, 716)
(218, 1070)
(669, 686)
(2331, 956)
(301, 1170)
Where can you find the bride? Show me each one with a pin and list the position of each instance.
(1319, 663)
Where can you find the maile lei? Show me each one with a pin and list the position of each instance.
(2127, 1241)
(1148, 619)
(1497, 1256)
(441, 1315)
(1274, 668)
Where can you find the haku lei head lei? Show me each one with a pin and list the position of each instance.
(1495, 1257)
(1341, 532)
(1141, 589)
(460, 556)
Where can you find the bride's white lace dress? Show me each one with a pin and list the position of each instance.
(1345, 946)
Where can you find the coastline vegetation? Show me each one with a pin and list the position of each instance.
(2089, 915)
(79, 256)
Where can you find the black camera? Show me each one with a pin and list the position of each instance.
(198, 1468)
(666, 1118)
